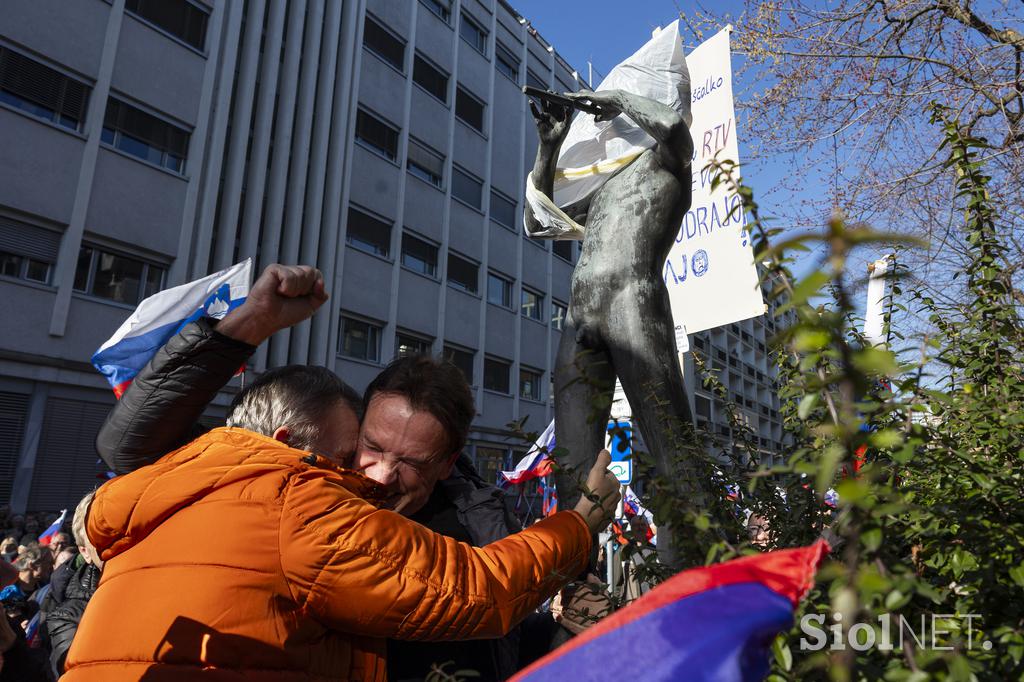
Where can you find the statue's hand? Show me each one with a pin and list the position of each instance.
(552, 122)
(605, 100)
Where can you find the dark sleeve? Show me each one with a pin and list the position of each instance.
(160, 410)
(62, 626)
(22, 664)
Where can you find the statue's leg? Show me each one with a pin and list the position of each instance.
(584, 382)
(642, 347)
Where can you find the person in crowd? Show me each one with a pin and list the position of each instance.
(65, 611)
(9, 549)
(417, 417)
(15, 525)
(33, 566)
(60, 542)
(18, 663)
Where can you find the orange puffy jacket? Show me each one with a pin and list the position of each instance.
(237, 557)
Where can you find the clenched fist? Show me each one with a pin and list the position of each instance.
(284, 295)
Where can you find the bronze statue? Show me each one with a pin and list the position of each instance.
(619, 320)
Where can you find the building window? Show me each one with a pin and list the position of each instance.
(505, 62)
(425, 163)
(496, 375)
(431, 79)
(469, 109)
(499, 290)
(489, 463)
(41, 91)
(702, 406)
(410, 345)
(379, 135)
(383, 43)
(442, 8)
(180, 18)
(473, 34)
(558, 314)
(27, 252)
(531, 304)
(563, 249)
(145, 136)
(463, 359)
(116, 277)
(462, 274)
(533, 80)
(529, 384)
(467, 188)
(368, 234)
(359, 339)
(503, 209)
(419, 256)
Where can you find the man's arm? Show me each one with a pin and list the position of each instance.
(369, 571)
(667, 126)
(160, 410)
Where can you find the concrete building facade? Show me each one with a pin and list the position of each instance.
(144, 143)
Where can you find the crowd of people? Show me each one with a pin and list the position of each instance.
(45, 588)
(391, 556)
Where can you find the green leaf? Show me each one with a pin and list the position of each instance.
(783, 656)
(807, 404)
(871, 539)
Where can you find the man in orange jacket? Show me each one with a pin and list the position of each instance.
(184, 593)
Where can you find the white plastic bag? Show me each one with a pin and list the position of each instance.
(592, 152)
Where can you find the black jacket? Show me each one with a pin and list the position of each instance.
(62, 622)
(160, 411)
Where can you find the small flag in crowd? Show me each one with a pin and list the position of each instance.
(549, 503)
(711, 623)
(47, 537)
(162, 315)
(536, 463)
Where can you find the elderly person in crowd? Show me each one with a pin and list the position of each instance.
(347, 572)
(82, 578)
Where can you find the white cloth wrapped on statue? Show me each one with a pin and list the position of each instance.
(592, 152)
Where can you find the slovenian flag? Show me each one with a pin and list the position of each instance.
(47, 537)
(536, 463)
(162, 315)
(711, 623)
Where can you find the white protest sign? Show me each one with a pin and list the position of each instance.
(710, 273)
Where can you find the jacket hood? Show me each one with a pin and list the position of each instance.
(128, 508)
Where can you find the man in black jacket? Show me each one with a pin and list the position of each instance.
(417, 418)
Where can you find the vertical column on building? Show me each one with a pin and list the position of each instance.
(309, 247)
(262, 133)
(517, 292)
(215, 158)
(67, 256)
(388, 342)
(277, 184)
(297, 177)
(21, 487)
(180, 271)
(245, 91)
(333, 279)
(485, 253)
(331, 254)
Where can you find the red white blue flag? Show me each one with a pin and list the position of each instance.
(162, 315)
(47, 537)
(536, 463)
(712, 623)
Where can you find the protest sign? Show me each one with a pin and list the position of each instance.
(710, 273)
